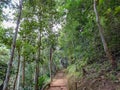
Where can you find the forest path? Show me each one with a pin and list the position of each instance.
(59, 82)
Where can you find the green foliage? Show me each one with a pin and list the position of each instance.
(4, 53)
(78, 38)
(101, 1)
(3, 68)
(4, 57)
(117, 10)
(73, 73)
(43, 80)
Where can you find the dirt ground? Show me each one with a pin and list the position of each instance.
(59, 82)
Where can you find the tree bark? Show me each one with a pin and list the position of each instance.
(50, 67)
(36, 75)
(18, 80)
(14, 87)
(12, 50)
(37, 63)
(23, 73)
(106, 49)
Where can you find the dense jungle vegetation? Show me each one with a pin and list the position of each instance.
(81, 37)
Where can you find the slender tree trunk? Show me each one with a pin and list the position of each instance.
(18, 80)
(23, 73)
(14, 87)
(106, 49)
(51, 48)
(12, 50)
(37, 63)
(36, 75)
(50, 67)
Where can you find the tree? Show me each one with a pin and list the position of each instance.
(12, 50)
(55, 29)
(18, 66)
(37, 61)
(106, 49)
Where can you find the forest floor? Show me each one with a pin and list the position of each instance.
(59, 82)
(97, 77)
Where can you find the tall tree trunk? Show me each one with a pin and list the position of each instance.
(18, 80)
(14, 87)
(36, 74)
(106, 49)
(50, 67)
(37, 63)
(23, 73)
(12, 50)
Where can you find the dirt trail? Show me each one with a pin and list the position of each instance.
(59, 82)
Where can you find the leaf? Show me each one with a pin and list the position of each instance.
(100, 2)
(117, 9)
(108, 11)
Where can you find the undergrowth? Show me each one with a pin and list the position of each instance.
(95, 75)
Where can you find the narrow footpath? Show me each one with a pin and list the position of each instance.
(59, 82)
